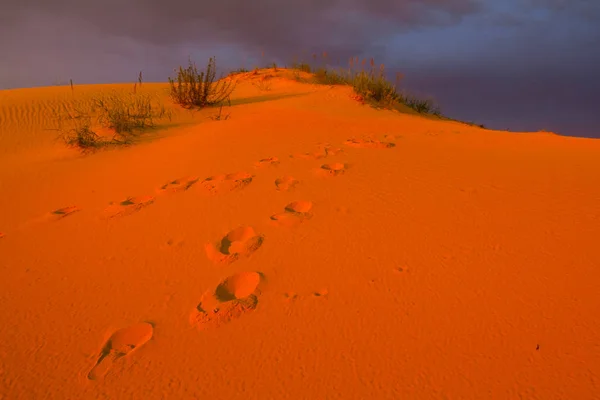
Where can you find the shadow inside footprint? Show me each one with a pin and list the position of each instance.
(227, 182)
(232, 298)
(120, 344)
(334, 169)
(330, 150)
(178, 185)
(267, 161)
(128, 206)
(294, 213)
(286, 183)
(369, 144)
(240, 242)
(63, 212)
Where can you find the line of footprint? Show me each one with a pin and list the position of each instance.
(237, 294)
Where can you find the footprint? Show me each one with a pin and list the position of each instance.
(301, 207)
(369, 144)
(62, 212)
(294, 213)
(120, 344)
(333, 169)
(232, 298)
(270, 161)
(323, 150)
(309, 156)
(321, 293)
(227, 182)
(240, 242)
(173, 243)
(128, 206)
(2, 235)
(286, 183)
(330, 150)
(290, 296)
(178, 185)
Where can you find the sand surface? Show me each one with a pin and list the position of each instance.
(308, 247)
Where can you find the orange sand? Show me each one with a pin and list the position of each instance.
(308, 247)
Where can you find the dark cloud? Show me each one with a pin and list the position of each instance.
(270, 24)
(518, 63)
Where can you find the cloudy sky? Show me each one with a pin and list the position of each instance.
(508, 64)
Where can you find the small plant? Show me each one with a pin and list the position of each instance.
(80, 133)
(135, 85)
(263, 84)
(238, 71)
(304, 67)
(220, 116)
(324, 76)
(199, 89)
(422, 106)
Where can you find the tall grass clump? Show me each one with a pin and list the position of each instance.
(372, 85)
(302, 66)
(326, 76)
(193, 88)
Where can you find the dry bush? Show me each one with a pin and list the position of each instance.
(193, 88)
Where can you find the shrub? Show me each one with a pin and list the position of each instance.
(80, 133)
(126, 113)
(422, 106)
(199, 89)
(330, 77)
(304, 67)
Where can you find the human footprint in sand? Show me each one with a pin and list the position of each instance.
(120, 344)
(240, 242)
(294, 213)
(233, 297)
(128, 206)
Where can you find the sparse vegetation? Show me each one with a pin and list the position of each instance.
(371, 85)
(422, 106)
(122, 115)
(263, 84)
(79, 133)
(324, 76)
(304, 67)
(192, 88)
(127, 113)
(238, 71)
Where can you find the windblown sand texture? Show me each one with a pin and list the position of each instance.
(308, 247)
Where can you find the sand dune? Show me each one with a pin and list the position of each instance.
(308, 246)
